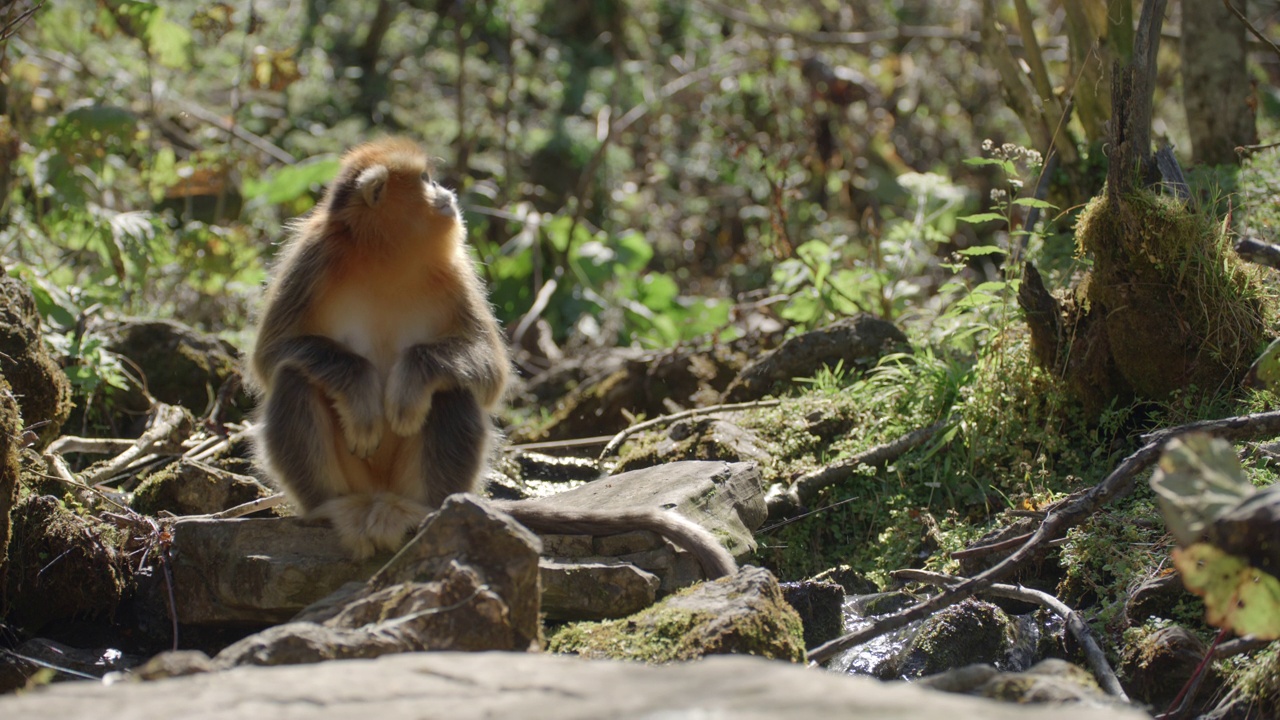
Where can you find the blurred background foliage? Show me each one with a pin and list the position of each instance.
(635, 171)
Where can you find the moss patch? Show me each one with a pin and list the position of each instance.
(63, 566)
(1177, 306)
(10, 432)
(744, 614)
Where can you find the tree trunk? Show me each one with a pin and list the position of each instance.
(1215, 83)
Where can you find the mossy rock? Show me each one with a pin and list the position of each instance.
(62, 566)
(744, 614)
(10, 432)
(41, 387)
(180, 365)
(186, 488)
(969, 632)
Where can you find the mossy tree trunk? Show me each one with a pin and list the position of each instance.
(1166, 306)
(1131, 90)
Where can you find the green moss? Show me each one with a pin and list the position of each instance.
(10, 432)
(1258, 680)
(41, 388)
(63, 566)
(1179, 308)
(684, 627)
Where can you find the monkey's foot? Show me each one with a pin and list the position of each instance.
(369, 522)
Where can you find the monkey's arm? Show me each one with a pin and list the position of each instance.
(474, 360)
(349, 381)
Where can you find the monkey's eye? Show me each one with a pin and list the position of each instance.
(426, 177)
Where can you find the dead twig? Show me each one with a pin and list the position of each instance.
(556, 444)
(58, 470)
(1093, 654)
(616, 442)
(242, 509)
(213, 446)
(786, 501)
(15, 24)
(94, 446)
(1070, 514)
(995, 547)
(167, 422)
(1256, 32)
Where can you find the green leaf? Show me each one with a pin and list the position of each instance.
(169, 42)
(634, 251)
(1035, 203)
(979, 250)
(1265, 370)
(658, 291)
(1236, 596)
(1197, 479)
(292, 182)
(981, 217)
(804, 307)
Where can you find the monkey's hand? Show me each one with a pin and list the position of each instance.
(408, 396)
(360, 414)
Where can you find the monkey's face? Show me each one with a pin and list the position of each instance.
(387, 191)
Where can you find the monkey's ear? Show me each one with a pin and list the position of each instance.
(370, 184)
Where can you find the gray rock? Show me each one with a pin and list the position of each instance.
(256, 571)
(179, 364)
(523, 685)
(855, 342)
(595, 590)
(1051, 681)
(726, 498)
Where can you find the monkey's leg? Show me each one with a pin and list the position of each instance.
(350, 382)
(298, 441)
(422, 371)
(455, 445)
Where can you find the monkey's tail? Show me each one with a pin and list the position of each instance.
(715, 560)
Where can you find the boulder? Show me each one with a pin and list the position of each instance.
(531, 686)
(40, 386)
(743, 614)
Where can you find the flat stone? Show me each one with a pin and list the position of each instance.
(726, 498)
(595, 590)
(256, 571)
(530, 686)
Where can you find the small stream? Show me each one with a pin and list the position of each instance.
(888, 657)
